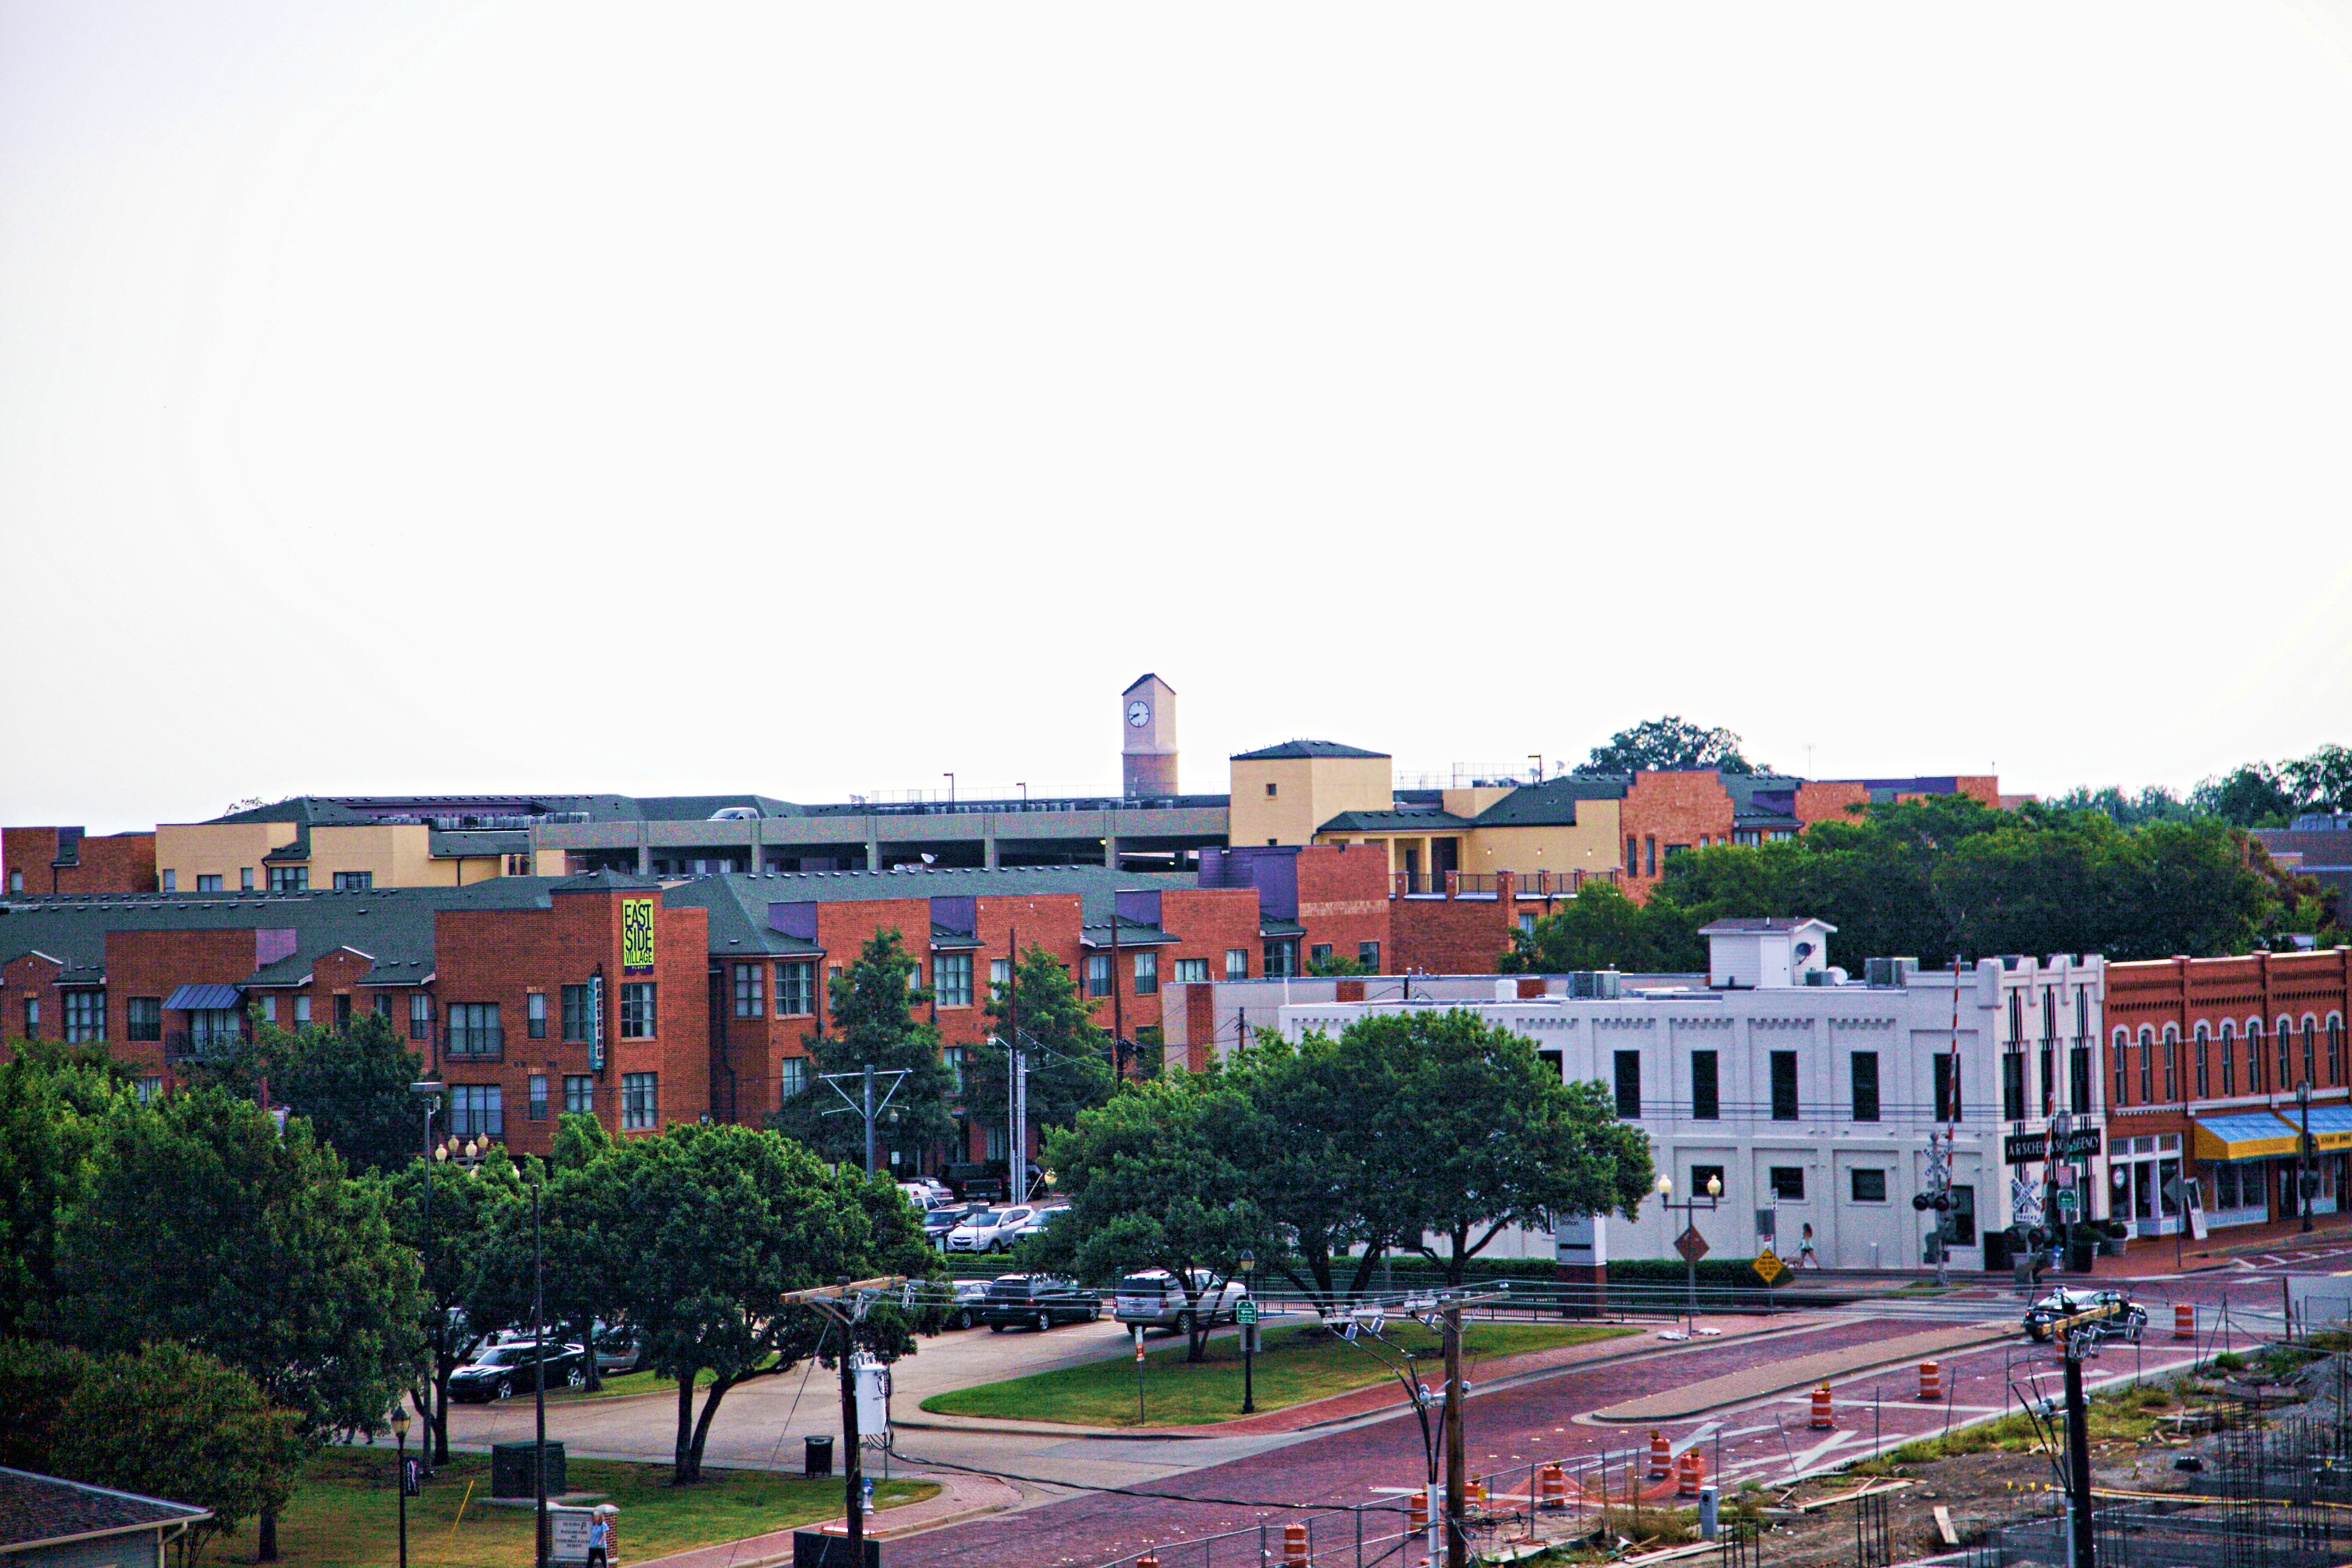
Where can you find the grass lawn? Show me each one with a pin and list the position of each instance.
(617, 1386)
(346, 1513)
(1297, 1364)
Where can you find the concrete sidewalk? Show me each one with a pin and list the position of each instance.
(961, 1496)
(1778, 1377)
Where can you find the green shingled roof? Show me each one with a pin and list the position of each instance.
(1396, 822)
(1552, 804)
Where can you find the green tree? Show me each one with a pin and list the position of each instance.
(708, 1225)
(36, 1380)
(1066, 1054)
(1334, 965)
(169, 1422)
(2322, 781)
(2252, 796)
(874, 1026)
(56, 1102)
(1491, 1138)
(207, 1224)
(2153, 804)
(351, 1087)
(1601, 928)
(463, 1301)
(1667, 744)
(1159, 1177)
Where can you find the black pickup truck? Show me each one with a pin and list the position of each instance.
(1038, 1300)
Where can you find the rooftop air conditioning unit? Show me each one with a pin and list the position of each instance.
(1593, 985)
(1889, 973)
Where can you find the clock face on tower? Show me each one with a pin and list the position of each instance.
(1139, 714)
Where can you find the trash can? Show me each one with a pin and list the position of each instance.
(510, 1469)
(2080, 1255)
(1999, 1245)
(817, 1461)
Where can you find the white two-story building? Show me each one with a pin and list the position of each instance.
(1810, 1096)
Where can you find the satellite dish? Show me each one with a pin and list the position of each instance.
(1805, 949)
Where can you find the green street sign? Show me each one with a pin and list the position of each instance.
(1245, 1311)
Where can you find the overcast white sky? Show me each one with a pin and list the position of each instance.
(814, 399)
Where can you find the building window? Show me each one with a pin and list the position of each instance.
(354, 881)
(2336, 1050)
(2171, 1063)
(791, 1078)
(1237, 963)
(245, 879)
(2016, 1016)
(1269, 791)
(2228, 1055)
(1788, 1184)
(85, 1016)
(795, 989)
(473, 1029)
(579, 1094)
(1368, 957)
(1191, 971)
(1319, 953)
(1707, 1102)
(1784, 1086)
(1948, 1087)
(1282, 958)
(142, 1018)
(1098, 974)
(1629, 1086)
(637, 1010)
(1146, 972)
(951, 979)
(342, 1012)
(538, 1097)
(269, 1009)
(209, 883)
(477, 1110)
(2286, 1035)
(1632, 855)
(640, 1099)
(420, 1016)
(750, 990)
(2012, 1085)
(952, 1059)
(1869, 1186)
(16, 882)
(2203, 1054)
(380, 1006)
(1862, 1074)
(534, 1014)
(1702, 1175)
(151, 1090)
(1650, 855)
(2079, 1075)
(289, 879)
(2119, 1059)
(2146, 1066)
(1000, 974)
(301, 1012)
(171, 880)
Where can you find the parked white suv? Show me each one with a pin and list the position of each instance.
(990, 1230)
(1154, 1300)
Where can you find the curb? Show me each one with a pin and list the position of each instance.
(1750, 1395)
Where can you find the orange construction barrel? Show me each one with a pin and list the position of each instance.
(1931, 1381)
(1416, 1513)
(1294, 1546)
(1821, 1421)
(1551, 1488)
(1693, 1473)
(1662, 1457)
(2184, 1321)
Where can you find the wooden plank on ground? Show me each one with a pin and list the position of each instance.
(1944, 1526)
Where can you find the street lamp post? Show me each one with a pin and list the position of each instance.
(1690, 1206)
(400, 1443)
(1248, 1261)
(429, 1092)
(2306, 1183)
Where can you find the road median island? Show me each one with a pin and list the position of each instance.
(1299, 1365)
(1798, 1371)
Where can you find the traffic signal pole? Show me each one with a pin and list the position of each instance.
(1457, 1539)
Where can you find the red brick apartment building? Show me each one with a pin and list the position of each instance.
(645, 1003)
(48, 861)
(2204, 1057)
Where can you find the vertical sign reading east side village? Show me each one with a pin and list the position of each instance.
(638, 936)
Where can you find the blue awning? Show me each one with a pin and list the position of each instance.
(203, 999)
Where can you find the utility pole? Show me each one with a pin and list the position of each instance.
(845, 1305)
(539, 1387)
(1118, 1014)
(2077, 1338)
(1457, 1539)
(869, 1118)
(1017, 1130)
(867, 1106)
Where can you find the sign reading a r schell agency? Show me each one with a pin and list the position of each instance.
(638, 936)
(2024, 1148)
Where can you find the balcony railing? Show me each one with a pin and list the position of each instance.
(474, 1044)
(184, 1044)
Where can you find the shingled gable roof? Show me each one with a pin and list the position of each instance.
(1290, 750)
(48, 1511)
(1552, 804)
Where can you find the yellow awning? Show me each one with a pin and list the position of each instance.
(2251, 1135)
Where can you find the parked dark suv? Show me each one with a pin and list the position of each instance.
(1038, 1300)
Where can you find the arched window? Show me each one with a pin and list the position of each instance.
(2171, 1062)
(2310, 1050)
(2335, 1047)
(2257, 1064)
(2148, 1066)
(2285, 1030)
(2119, 1053)
(2204, 1072)
(2229, 1054)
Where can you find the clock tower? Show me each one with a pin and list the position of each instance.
(1146, 723)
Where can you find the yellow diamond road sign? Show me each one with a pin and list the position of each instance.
(1769, 1265)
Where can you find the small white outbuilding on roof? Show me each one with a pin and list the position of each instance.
(1752, 953)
